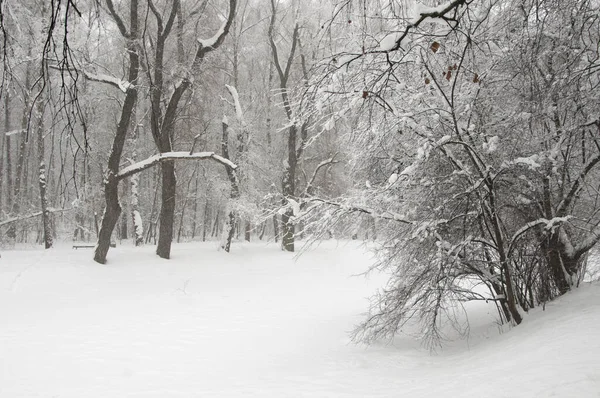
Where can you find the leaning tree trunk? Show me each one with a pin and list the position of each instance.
(111, 184)
(109, 219)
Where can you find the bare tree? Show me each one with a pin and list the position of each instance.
(479, 163)
(111, 183)
(297, 130)
(163, 121)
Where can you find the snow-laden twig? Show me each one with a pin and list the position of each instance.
(161, 157)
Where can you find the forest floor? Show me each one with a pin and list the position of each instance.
(259, 322)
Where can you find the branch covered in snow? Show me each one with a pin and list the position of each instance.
(566, 202)
(352, 209)
(14, 132)
(316, 171)
(549, 225)
(32, 215)
(587, 243)
(212, 42)
(113, 81)
(122, 85)
(393, 41)
(161, 157)
(215, 41)
(236, 102)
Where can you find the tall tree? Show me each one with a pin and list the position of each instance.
(111, 183)
(163, 120)
(296, 130)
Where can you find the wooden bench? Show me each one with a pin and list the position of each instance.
(89, 246)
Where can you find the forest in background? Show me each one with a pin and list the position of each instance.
(461, 137)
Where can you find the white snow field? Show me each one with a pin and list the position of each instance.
(259, 323)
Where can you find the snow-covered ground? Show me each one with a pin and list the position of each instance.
(259, 323)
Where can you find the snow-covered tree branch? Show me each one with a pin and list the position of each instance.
(167, 156)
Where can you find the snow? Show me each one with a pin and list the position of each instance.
(14, 132)
(445, 139)
(329, 124)
(393, 178)
(530, 161)
(389, 42)
(409, 170)
(491, 145)
(137, 222)
(295, 206)
(259, 323)
(213, 40)
(236, 102)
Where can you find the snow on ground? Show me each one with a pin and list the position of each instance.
(259, 323)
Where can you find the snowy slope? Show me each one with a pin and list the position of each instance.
(258, 323)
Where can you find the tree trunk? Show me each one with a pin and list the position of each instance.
(275, 228)
(195, 219)
(167, 210)
(4, 138)
(289, 175)
(111, 185)
(287, 238)
(124, 230)
(21, 157)
(42, 178)
(248, 231)
(136, 217)
(229, 231)
(235, 190)
(184, 205)
(153, 217)
(289, 189)
(205, 221)
(96, 224)
(138, 227)
(109, 219)
(215, 228)
(9, 183)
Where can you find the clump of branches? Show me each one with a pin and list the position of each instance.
(475, 132)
